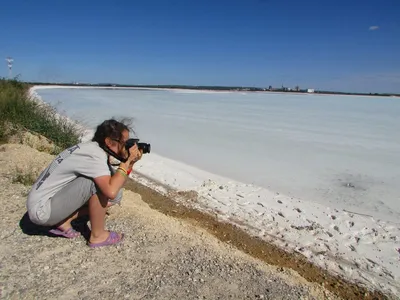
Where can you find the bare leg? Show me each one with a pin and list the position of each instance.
(97, 213)
(66, 224)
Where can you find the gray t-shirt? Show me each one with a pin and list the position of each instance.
(84, 159)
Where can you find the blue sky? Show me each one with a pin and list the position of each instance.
(337, 45)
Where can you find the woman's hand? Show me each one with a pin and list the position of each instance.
(135, 155)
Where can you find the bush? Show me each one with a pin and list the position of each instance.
(17, 108)
(27, 179)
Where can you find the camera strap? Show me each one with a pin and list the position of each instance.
(113, 154)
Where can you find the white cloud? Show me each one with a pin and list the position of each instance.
(373, 27)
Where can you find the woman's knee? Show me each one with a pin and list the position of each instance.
(39, 215)
(35, 220)
(116, 200)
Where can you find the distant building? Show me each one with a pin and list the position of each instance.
(310, 90)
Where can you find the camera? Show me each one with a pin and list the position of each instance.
(141, 146)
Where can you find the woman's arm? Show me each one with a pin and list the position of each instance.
(110, 185)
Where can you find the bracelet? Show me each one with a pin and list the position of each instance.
(123, 172)
(123, 169)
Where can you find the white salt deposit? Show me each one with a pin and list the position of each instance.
(317, 175)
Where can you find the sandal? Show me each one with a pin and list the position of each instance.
(113, 239)
(70, 233)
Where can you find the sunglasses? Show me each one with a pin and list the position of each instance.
(119, 141)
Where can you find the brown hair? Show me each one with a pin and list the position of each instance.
(111, 129)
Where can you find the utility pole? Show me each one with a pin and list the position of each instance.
(10, 61)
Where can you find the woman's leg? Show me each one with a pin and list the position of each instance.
(97, 213)
(69, 202)
(66, 224)
(98, 205)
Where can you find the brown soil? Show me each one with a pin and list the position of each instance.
(253, 246)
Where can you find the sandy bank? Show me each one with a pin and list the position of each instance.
(161, 258)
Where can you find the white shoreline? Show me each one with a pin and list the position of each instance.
(357, 247)
(198, 91)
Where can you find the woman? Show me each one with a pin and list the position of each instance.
(80, 181)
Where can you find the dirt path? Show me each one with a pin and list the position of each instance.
(171, 205)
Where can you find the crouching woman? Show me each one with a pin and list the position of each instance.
(81, 181)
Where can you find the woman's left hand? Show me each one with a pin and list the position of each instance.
(135, 155)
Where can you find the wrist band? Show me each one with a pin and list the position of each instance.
(123, 169)
(123, 172)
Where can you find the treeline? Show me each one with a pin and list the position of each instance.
(358, 94)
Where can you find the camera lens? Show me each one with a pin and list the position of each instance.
(146, 148)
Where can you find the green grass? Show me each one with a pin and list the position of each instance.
(18, 109)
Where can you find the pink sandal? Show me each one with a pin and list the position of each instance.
(70, 233)
(113, 239)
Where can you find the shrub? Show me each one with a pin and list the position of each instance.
(27, 179)
(17, 108)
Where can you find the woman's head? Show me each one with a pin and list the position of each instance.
(113, 135)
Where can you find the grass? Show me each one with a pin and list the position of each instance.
(18, 109)
(27, 179)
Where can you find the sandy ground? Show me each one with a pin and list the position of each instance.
(162, 257)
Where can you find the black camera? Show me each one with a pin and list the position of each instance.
(141, 146)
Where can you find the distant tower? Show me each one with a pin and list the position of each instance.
(10, 61)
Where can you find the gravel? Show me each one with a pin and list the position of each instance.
(160, 258)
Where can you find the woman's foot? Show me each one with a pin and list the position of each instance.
(69, 233)
(112, 238)
(65, 229)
